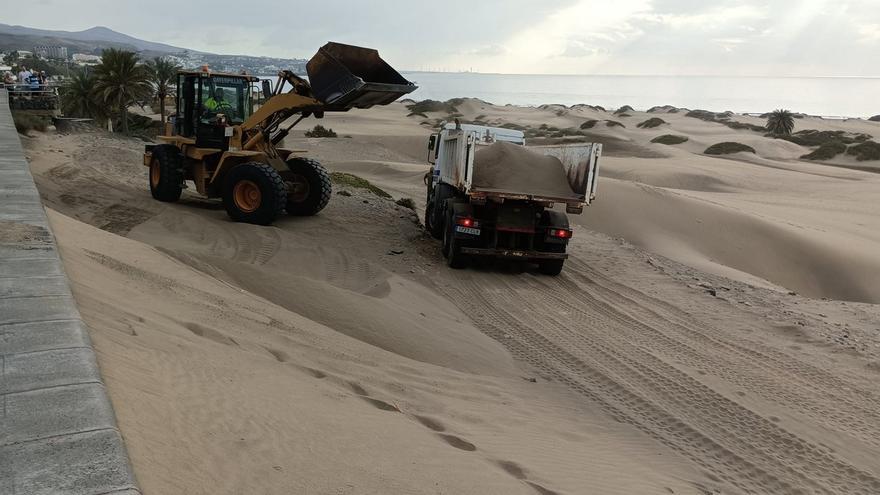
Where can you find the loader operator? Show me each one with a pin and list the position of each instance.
(217, 104)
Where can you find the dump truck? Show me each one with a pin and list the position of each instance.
(228, 148)
(493, 217)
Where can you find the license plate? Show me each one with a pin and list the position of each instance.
(467, 230)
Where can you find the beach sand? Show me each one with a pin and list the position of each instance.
(338, 353)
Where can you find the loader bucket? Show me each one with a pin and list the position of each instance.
(346, 77)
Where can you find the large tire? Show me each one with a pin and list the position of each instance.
(435, 210)
(309, 186)
(254, 192)
(166, 174)
(451, 246)
(551, 267)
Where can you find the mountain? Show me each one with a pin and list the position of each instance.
(96, 39)
(25, 38)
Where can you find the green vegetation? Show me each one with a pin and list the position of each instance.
(163, 74)
(589, 124)
(812, 137)
(826, 152)
(613, 123)
(875, 118)
(121, 82)
(624, 109)
(651, 123)
(25, 122)
(727, 148)
(320, 131)
(705, 115)
(78, 98)
(351, 180)
(869, 150)
(624, 115)
(670, 139)
(406, 203)
(780, 122)
(426, 106)
(742, 125)
(417, 114)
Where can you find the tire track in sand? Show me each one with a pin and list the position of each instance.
(620, 359)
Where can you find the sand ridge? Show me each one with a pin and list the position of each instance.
(338, 353)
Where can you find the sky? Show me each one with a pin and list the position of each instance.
(643, 37)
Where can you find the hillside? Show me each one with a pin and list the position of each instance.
(96, 39)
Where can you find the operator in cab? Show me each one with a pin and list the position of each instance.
(217, 103)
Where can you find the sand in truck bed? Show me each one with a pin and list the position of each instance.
(513, 168)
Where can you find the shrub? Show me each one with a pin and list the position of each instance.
(728, 147)
(589, 124)
(869, 150)
(670, 139)
(875, 118)
(320, 131)
(417, 114)
(25, 122)
(826, 152)
(812, 137)
(613, 123)
(651, 123)
(624, 115)
(426, 106)
(704, 115)
(624, 109)
(742, 125)
(354, 181)
(406, 203)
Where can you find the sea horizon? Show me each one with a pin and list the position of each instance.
(825, 96)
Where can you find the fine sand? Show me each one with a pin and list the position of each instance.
(339, 354)
(512, 168)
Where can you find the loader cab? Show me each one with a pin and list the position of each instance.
(209, 103)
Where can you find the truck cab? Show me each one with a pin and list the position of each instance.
(489, 220)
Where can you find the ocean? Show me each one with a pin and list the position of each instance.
(824, 96)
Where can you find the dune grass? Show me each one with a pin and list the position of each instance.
(351, 180)
(812, 137)
(406, 203)
(868, 150)
(826, 152)
(670, 139)
(320, 131)
(651, 123)
(614, 123)
(624, 109)
(727, 148)
(589, 124)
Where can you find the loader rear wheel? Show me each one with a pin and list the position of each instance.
(166, 180)
(254, 193)
(308, 186)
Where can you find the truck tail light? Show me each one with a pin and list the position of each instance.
(466, 222)
(560, 233)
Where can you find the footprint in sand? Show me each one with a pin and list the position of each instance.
(210, 333)
(279, 356)
(430, 423)
(458, 443)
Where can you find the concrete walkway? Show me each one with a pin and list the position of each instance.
(58, 432)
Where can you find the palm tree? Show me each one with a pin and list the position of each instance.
(120, 81)
(780, 122)
(163, 74)
(78, 98)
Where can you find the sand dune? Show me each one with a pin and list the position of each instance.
(338, 353)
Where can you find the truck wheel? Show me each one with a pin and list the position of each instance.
(166, 180)
(254, 192)
(308, 186)
(454, 257)
(551, 267)
(434, 213)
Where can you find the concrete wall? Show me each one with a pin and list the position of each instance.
(58, 432)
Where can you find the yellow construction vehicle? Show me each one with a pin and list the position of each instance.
(228, 149)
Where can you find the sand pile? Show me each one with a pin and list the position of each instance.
(513, 168)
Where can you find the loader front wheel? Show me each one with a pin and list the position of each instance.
(308, 186)
(254, 193)
(166, 181)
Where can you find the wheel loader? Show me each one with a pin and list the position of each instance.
(228, 149)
